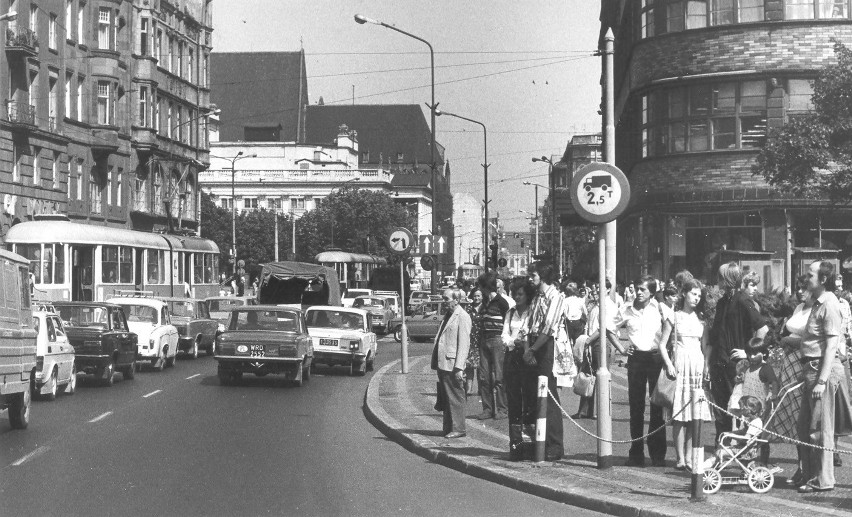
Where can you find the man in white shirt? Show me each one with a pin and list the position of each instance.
(648, 323)
(501, 291)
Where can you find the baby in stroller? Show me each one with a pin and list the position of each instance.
(749, 429)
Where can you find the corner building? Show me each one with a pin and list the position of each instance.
(697, 85)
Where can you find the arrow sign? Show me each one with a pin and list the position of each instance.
(399, 240)
(440, 243)
(425, 244)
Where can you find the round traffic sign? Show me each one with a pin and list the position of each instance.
(502, 262)
(427, 262)
(400, 240)
(600, 192)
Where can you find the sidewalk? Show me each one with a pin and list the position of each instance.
(401, 407)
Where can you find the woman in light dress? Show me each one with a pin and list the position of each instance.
(687, 367)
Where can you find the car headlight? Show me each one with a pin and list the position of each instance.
(242, 349)
(354, 345)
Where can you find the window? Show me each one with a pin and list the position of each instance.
(161, 48)
(140, 191)
(104, 24)
(179, 124)
(16, 163)
(80, 25)
(34, 18)
(297, 203)
(647, 18)
(205, 80)
(69, 18)
(33, 91)
(365, 156)
(54, 166)
(51, 33)
(250, 203)
(68, 91)
(750, 11)
(674, 17)
(53, 101)
(158, 192)
(318, 156)
(36, 167)
(80, 82)
(190, 60)
(399, 157)
(703, 117)
(180, 71)
(170, 63)
(143, 106)
(273, 203)
(811, 9)
(118, 184)
(117, 264)
(169, 121)
(227, 203)
(109, 186)
(103, 102)
(155, 106)
(72, 178)
(155, 263)
(696, 14)
(80, 180)
(94, 193)
(799, 95)
(143, 36)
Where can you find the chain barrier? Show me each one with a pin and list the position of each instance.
(781, 436)
(596, 437)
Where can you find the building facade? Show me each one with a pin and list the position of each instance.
(103, 119)
(697, 86)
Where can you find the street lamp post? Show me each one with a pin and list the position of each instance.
(239, 156)
(432, 108)
(552, 189)
(484, 166)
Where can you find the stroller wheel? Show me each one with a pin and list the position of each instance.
(712, 481)
(760, 480)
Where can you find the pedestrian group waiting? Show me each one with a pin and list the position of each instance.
(737, 347)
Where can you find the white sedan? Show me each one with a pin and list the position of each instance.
(342, 336)
(54, 356)
(149, 318)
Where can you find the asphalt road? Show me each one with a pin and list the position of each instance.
(178, 443)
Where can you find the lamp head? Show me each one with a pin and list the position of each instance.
(240, 153)
(527, 182)
(360, 18)
(438, 113)
(253, 155)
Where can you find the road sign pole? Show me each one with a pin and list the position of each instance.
(404, 331)
(603, 384)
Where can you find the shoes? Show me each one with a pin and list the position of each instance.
(501, 416)
(795, 479)
(455, 434)
(635, 462)
(552, 456)
(579, 416)
(658, 462)
(807, 489)
(682, 466)
(485, 415)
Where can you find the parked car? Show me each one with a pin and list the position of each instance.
(17, 340)
(423, 322)
(342, 336)
(264, 339)
(393, 300)
(220, 308)
(150, 320)
(54, 357)
(102, 340)
(349, 296)
(380, 309)
(196, 328)
(416, 298)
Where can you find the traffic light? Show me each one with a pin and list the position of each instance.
(493, 260)
(522, 242)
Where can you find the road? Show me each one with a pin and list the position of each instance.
(178, 443)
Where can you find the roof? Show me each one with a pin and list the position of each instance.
(260, 89)
(134, 300)
(384, 130)
(336, 308)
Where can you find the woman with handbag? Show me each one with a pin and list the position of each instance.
(687, 368)
(518, 377)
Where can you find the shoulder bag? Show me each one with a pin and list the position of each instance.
(664, 391)
(584, 383)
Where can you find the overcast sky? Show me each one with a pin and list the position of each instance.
(525, 69)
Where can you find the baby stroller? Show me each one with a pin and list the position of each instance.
(759, 478)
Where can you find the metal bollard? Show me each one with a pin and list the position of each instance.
(697, 489)
(541, 419)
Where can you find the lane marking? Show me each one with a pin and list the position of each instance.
(150, 394)
(37, 452)
(101, 417)
(193, 376)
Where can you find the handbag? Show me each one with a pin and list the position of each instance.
(584, 383)
(664, 391)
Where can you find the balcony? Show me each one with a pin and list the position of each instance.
(21, 40)
(20, 113)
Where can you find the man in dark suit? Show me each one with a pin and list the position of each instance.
(449, 356)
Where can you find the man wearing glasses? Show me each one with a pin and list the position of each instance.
(449, 356)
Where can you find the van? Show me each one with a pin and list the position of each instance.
(17, 339)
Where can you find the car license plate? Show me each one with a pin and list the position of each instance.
(328, 342)
(256, 351)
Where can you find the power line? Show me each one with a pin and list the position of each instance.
(450, 52)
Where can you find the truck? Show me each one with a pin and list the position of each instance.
(17, 339)
(298, 285)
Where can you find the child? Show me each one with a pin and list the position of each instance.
(749, 424)
(755, 378)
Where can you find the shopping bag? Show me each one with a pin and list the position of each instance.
(664, 391)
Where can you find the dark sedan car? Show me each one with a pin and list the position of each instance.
(265, 339)
(196, 328)
(102, 342)
(423, 323)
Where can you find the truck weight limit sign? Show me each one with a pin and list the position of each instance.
(600, 192)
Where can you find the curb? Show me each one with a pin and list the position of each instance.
(578, 497)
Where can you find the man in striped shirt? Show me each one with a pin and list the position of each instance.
(492, 350)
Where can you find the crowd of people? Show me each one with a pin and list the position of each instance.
(728, 343)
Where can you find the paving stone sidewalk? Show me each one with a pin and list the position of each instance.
(401, 407)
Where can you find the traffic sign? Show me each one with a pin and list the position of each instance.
(433, 244)
(600, 192)
(400, 241)
(502, 262)
(427, 262)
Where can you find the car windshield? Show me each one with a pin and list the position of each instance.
(334, 320)
(224, 305)
(140, 313)
(182, 309)
(367, 302)
(263, 320)
(74, 316)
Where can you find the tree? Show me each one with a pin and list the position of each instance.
(811, 155)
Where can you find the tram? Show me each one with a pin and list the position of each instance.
(470, 271)
(353, 269)
(83, 262)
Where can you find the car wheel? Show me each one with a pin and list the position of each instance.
(193, 352)
(170, 361)
(358, 369)
(129, 372)
(19, 410)
(306, 371)
(107, 374)
(397, 334)
(370, 360)
(71, 387)
(52, 385)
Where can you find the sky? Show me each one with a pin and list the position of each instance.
(525, 69)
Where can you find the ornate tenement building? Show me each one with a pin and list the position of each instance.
(697, 85)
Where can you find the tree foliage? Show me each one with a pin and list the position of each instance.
(811, 155)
